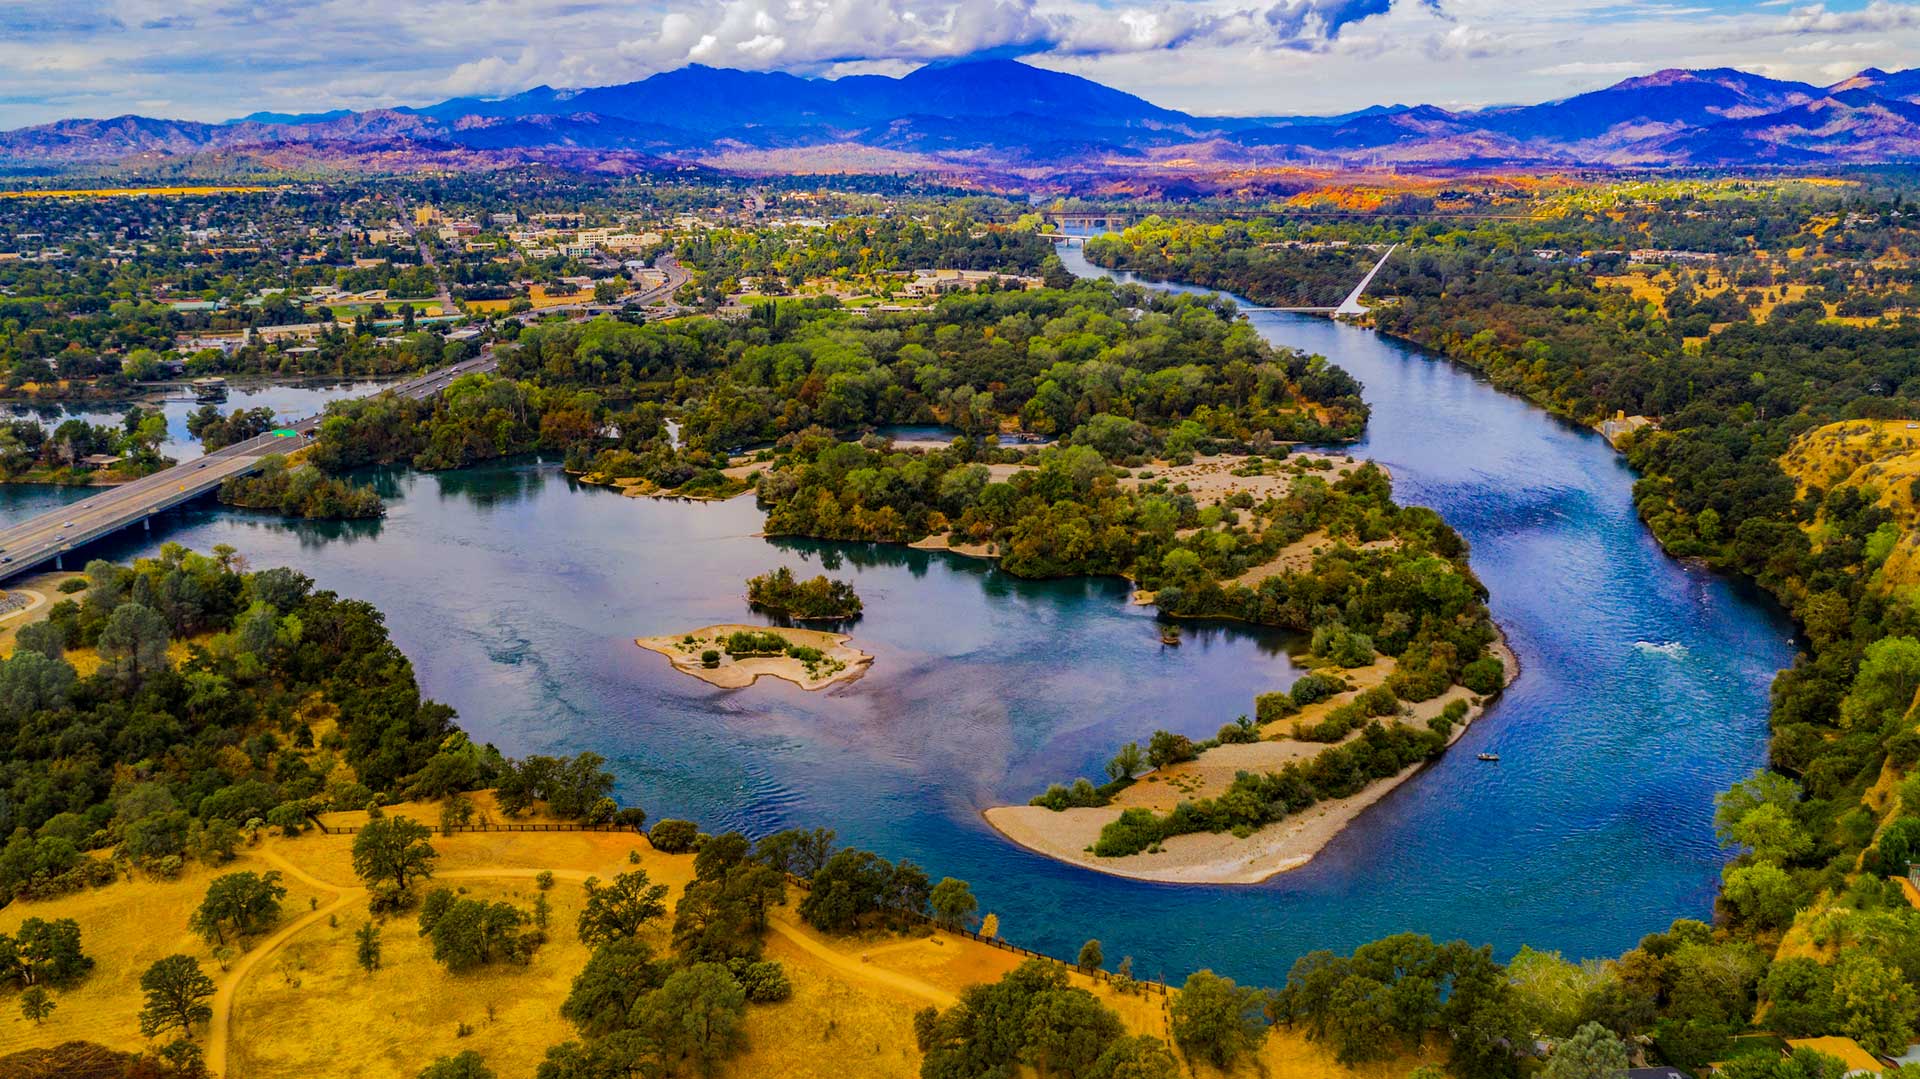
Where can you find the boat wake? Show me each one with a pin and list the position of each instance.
(1669, 649)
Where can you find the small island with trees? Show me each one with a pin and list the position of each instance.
(736, 656)
(822, 599)
(301, 490)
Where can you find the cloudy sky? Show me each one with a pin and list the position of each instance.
(214, 59)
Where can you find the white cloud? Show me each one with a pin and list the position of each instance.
(218, 58)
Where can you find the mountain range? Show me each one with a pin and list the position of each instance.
(1002, 117)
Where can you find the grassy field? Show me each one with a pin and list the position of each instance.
(297, 997)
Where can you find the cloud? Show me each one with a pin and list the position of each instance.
(219, 58)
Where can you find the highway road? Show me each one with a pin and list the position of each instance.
(47, 537)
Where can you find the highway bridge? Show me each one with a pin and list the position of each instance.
(48, 537)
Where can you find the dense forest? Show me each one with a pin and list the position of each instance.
(215, 697)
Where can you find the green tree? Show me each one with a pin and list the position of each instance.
(1217, 1021)
(1875, 1003)
(607, 993)
(697, 1016)
(246, 901)
(1127, 763)
(953, 903)
(366, 947)
(621, 908)
(1138, 1057)
(467, 933)
(133, 643)
(1762, 894)
(1066, 1030)
(48, 952)
(1091, 958)
(463, 1065)
(176, 992)
(1593, 1052)
(36, 1004)
(393, 851)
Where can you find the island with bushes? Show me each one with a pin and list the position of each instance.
(820, 599)
(301, 490)
(1401, 655)
(736, 656)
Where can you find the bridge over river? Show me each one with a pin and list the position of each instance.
(48, 537)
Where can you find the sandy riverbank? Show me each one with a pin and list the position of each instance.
(1222, 858)
(843, 663)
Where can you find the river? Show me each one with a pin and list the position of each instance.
(517, 593)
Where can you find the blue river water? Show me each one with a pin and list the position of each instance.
(517, 592)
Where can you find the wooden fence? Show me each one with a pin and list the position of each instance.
(1142, 985)
(563, 826)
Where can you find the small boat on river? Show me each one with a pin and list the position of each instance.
(1490, 757)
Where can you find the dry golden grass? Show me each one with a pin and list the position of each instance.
(1882, 459)
(302, 1006)
(312, 1002)
(125, 927)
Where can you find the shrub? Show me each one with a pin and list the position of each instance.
(1378, 701)
(1082, 794)
(1240, 732)
(1484, 675)
(710, 658)
(1314, 687)
(1270, 707)
(1132, 832)
(1166, 748)
(673, 836)
(72, 585)
(764, 981)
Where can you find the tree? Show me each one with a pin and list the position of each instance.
(1875, 1003)
(1216, 1020)
(953, 903)
(247, 901)
(48, 952)
(1091, 958)
(607, 993)
(464, 1065)
(1066, 1030)
(393, 851)
(177, 992)
(1594, 1052)
(134, 641)
(366, 946)
(36, 1004)
(1138, 1057)
(1127, 763)
(697, 1015)
(467, 933)
(620, 909)
(796, 851)
(1762, 894)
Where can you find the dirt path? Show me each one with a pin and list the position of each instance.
(867, 971)
(219, 1031)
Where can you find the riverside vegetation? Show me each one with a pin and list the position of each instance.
(779, 592)
(1773, 332)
